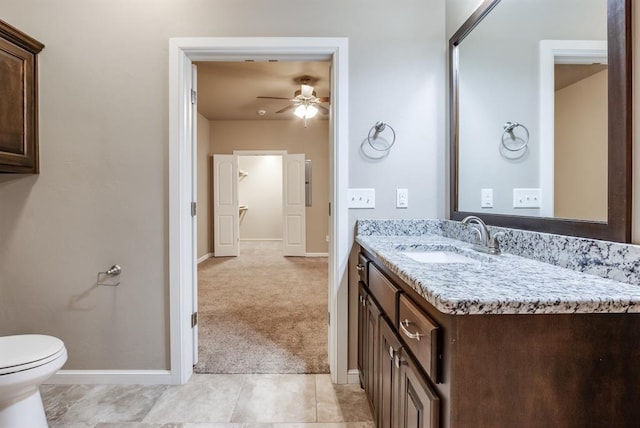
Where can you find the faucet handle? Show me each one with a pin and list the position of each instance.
(494, 243)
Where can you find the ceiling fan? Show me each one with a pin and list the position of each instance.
(304, 101)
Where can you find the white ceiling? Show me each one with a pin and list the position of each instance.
(228, 90)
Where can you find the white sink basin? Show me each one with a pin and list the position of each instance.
(438, 257)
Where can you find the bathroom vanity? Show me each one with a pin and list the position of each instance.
(492, 341)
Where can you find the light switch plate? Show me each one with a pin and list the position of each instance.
(362, 198)
(527, 198)
(402, 198)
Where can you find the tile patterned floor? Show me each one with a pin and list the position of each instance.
(211, 400)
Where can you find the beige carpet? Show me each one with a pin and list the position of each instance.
(262, 312)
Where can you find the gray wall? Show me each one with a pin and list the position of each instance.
(102, 195)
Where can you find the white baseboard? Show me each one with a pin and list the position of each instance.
(353, 376)
(124, 377)
(316, 254)
(205, 257)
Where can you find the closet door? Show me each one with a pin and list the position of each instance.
(294, 206)
(226, 224)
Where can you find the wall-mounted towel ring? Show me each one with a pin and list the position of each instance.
(110, 277)
(376, 129)
(509, 130)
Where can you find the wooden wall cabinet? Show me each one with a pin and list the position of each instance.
(18, 101)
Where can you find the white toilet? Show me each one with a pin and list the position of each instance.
(25, 362)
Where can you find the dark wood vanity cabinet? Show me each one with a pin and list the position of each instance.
(492, 370)
(398, 391)
(18, 101)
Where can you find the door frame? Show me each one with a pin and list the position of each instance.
(182, 52)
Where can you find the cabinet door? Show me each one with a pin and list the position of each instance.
(419, 406)
(388, 384)
(362, 335)
(18, 101)
(371, 355)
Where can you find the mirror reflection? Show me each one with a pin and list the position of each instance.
(532, 111)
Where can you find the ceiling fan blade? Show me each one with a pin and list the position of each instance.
(323, 99)
(287, 108)
(322, 109)
(274, 98)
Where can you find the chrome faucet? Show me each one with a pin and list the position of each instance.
(487, 244)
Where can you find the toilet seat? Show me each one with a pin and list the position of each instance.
(28, 351)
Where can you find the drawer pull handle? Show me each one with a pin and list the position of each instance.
(403, 327)
(360, 267)
(391, 352)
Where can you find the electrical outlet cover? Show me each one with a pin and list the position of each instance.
(402, 198)
(486, 198)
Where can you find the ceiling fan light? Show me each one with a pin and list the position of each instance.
(300, 111)
(307, 91)
(306, 111)
(311, 111)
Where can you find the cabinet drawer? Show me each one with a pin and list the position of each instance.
(384, 292)
(420, 333)
(362, 267)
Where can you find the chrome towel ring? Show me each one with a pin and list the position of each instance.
(509, 128)
(376, 129)
(110, 277)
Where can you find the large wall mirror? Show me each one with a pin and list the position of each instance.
(540, 102)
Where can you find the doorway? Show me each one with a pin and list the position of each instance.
(270, 203)
(256, 303)
(260, 192)
(182, 52)
(578, 183)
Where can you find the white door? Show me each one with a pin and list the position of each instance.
(194, 197)
(226, 224)
(294, 206)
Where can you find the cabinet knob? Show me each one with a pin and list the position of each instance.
(398, 361)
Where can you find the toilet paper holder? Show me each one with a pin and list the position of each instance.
(110, 277)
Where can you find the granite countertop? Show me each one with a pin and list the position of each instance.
(503, 284)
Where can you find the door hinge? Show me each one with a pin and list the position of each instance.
(328, 318)
(194, 319)
(194, 96)
(329, 209)
(194, 209)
